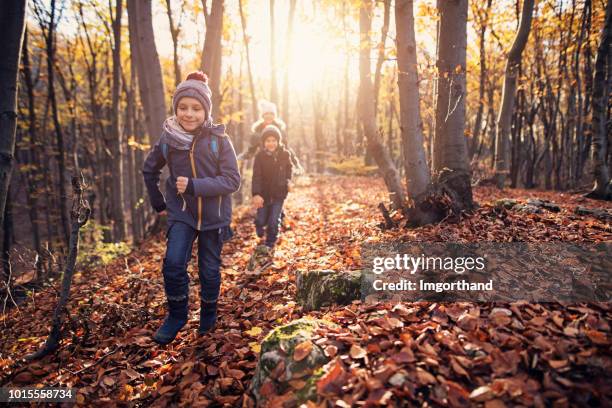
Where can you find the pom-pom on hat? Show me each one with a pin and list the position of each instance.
(266, 107)
(271, 130)
(194, 86)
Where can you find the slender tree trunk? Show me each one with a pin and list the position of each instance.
(151, 85)
(245, 39)
(381, 52)
(211, 56)
(32, 159)
(288, 46)
(119, 227)
(273, 83)
(415, 164)
(508, 95)
(12, 17)
(599, 153)
(175, 29)
(484, 22)
(366, 109)
(450, 160)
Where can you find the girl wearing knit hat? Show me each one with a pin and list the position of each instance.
(203, 175)
(272, 171)
(268, 116)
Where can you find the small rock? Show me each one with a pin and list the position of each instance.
(277, 364)
(319, 288)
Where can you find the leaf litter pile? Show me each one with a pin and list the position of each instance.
(451, 354)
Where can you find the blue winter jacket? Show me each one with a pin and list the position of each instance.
(214, 178)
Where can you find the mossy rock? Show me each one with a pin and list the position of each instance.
(279, 347)
(506, 203)
(316, 289)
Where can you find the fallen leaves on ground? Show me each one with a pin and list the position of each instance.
(450, 354)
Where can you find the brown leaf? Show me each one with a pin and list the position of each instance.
(481, 394)
(597, 337)
(357, 352)
(332, 380)
(302, 350)
(331, 351)
(237, 374)
(425, 377)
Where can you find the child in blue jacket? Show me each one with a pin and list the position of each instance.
(203, 175)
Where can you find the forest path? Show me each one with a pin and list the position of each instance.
(109, 355)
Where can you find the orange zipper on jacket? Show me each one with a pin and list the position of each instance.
(193, 170)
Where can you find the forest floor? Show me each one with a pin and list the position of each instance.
(551, 354)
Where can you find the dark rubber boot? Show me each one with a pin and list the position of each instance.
(208, 317)
(173, 323)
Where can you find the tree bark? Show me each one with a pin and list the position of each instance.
(175, 29)
(381, 52)
(366, 108)
(415, 164)
(484, 22)
(273, 83)
(119, 227)
(211, 56)
(12, 17)
(509, 94)
(31, 154)
(245, 39)
(450, 162)
(602, 188)
(151, 85)
(288, 46)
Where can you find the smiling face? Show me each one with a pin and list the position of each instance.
(268, 118)
(270, 143)
(190, 114)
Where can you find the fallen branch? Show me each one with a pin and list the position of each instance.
(78, 215)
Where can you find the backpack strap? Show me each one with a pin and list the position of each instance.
(165, 152)
(216, 147)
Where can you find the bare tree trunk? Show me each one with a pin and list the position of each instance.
(366, 108)
(381, 52)
(211, 56)
(484, 22)
(288, 46)
(119, 227)
(175, 29)
(509, 94)
(245, 39)
(415, 164)
(599, 153)
(32, 159)
(12, 16)
(319, 137)
(273, 86)
(450, 160)
(151, 85)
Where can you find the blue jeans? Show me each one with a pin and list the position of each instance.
(268, 220)
(178, 254)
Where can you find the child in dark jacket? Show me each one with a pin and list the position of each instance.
(203, 174)
(271, 174)
(269, 116)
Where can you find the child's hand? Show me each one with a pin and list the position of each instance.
(181, 184)
(258, 201)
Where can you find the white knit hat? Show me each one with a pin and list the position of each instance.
(266, 107)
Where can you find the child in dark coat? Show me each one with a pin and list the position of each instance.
(203, 174)
(272, 172)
